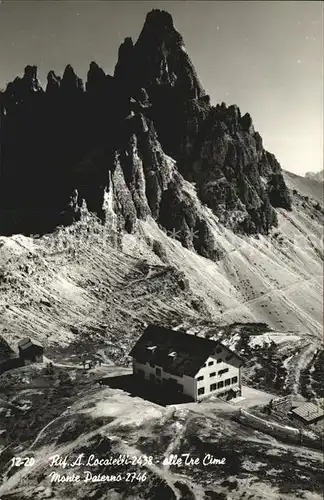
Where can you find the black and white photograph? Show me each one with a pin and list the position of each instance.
(161, 250)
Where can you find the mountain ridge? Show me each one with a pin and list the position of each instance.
(316, 176)
(136, 119)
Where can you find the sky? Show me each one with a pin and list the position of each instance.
(266, 57)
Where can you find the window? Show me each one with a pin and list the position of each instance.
(220, 385)
(210, 363)
(152, 365)
(219, 360)
(200, 378)
(213, 387)
(213, 374)
(234, 380)
(204, 366)
(228, 381)
(201, 391)
(228, 357)
(221, 372)
(158, 372)
(218, 350)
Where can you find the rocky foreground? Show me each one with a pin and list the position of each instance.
(103, 443)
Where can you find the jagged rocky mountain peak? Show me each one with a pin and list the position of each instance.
(235, 111)
(140, 134)
(93, 66)
(28, 83)
(21, 89)
(53, 82)
(95, 70)
(158, 23)
(96, 77)
(127, 44)
(246, 123)
(157, 58)
(70, 81)
(69, 72)
(30, 73)
(125, 50)
(158, 18)
(125, 74)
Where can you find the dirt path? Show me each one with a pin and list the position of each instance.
(175, 442)
(274, 290)
(63, 365)
(41, 432)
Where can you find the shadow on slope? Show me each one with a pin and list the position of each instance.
(137, 387)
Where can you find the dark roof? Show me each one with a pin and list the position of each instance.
(27, 342)
(191, 351)
(309, 412)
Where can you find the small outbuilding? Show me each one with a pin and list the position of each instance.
(30, 351)
(309, 413)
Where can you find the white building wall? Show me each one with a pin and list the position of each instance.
(189, 384)
(207, 370)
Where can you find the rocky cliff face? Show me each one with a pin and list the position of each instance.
(126, 143)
